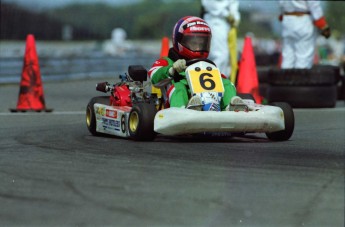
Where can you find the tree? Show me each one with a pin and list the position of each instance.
(335, 15)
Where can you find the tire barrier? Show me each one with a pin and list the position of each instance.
(263, 80)
(304, 88)
(341, 89)
(318, 75)
(304, 96)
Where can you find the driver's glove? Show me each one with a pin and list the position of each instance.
(323, 27)
(178, 66)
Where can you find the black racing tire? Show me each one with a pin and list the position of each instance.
(289, 120)
(304, 96)
(141, 122)
(263, 74)
(341, 89)
(265, 59)
(90, 113)
(263, 89)
(316, 76)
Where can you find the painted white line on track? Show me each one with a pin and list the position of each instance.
(45, 113)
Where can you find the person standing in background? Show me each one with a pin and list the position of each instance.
(299, 19)
(221, 15)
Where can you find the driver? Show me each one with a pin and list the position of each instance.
(191, 40)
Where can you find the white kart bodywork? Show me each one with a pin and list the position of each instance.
(204, 80)
(112, 120)
(178, 121)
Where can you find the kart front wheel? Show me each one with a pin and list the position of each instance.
(289, 121)
(141, 122)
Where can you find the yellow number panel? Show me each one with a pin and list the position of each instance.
(205, 81)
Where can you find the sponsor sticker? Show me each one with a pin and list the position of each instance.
(111, 113)
(100, 111)
(111, 124)
(196, 23)
(200, 29)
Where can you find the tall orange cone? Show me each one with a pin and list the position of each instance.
(165, 47)
(247, 81)
(31, 97)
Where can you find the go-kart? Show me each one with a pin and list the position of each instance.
(133, 112)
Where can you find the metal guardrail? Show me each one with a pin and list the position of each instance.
(55, 68)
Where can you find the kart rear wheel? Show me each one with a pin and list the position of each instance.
(289, 121)
(141, 122)
(90, 113)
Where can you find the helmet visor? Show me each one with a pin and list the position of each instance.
(197, 42)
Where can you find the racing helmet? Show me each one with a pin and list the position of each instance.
(192, 37)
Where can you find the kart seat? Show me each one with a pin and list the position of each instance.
(137, 73)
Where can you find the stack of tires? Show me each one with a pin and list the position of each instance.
(264, 62)
(304, 88)
(341, 88)
(263, 79)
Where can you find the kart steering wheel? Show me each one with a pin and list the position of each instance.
(195, 60)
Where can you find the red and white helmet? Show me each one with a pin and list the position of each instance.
(192, 37)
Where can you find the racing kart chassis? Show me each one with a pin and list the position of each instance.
(131, 112)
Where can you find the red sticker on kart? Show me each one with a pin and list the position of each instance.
(111, 113)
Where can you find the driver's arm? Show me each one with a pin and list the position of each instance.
(160, 70)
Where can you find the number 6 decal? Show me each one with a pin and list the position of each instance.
(204, 80)
(207, 83)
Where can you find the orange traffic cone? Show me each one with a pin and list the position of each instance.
(165, 47)
(31, 97)
(247, 81)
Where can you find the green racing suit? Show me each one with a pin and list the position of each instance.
(178, 92)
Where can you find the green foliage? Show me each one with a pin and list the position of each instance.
(145, 20)
(335, 15)
(149, 19)
(152, 19)
(260, 29)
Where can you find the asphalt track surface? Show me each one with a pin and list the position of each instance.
(54, 173)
